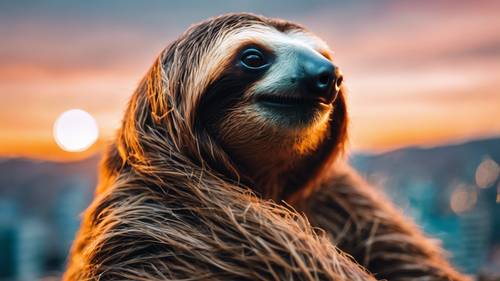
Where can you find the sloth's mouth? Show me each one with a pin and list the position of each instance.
(291, 101)
(292, 111)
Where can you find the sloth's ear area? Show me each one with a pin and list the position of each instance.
(147, 111)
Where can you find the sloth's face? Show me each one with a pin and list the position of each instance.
(275, 97)
(295, 85)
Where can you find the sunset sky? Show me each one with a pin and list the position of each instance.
(418, 72)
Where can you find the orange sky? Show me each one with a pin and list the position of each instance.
(417, 74)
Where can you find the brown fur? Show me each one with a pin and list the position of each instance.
(163, 212)
(364, 224)
(174, 203)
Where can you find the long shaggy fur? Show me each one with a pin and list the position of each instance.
(364, 224)
(173, 205)
(163, 213)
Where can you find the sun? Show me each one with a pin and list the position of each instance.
(75, 130)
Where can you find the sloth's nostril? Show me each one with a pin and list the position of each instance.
(324, 79)
(339, 81)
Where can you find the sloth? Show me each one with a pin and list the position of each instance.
(228, 166)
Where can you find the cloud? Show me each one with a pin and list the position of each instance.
(433, 65)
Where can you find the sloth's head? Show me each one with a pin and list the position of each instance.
(258, 96)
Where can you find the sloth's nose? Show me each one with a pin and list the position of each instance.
(322, 78)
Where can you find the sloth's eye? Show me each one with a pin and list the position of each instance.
(253, 58)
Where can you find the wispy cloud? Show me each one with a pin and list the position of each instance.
(418, 72)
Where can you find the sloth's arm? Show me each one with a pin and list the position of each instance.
(364, 224)
(209, 232)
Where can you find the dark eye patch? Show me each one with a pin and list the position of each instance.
(229, 88)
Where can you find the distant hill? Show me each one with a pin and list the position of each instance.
(33, 184)
(423, 182)
(26, 180)
(40, 207)
(440, 163)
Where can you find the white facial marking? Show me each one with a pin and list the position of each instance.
(215, 62)
(282, 43)
(286, 45)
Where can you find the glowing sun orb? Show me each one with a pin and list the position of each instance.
(75, 130)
